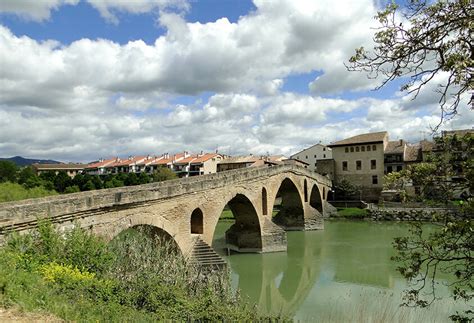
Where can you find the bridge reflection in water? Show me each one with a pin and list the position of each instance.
(318, 266)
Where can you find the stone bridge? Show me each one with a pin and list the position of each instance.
(188, 209)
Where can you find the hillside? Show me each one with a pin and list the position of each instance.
(20, 161)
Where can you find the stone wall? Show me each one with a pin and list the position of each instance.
(410, 214)
(85, 201)
(169, 206)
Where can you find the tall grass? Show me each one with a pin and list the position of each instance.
(138, 277)
(14, 192)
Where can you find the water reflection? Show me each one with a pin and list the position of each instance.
(347, 264)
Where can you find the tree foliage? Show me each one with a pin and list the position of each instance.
(163, 174)
(419, 42)
(345, 190)
(8, 171)
(450, 248)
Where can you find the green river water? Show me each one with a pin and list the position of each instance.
(340, 274)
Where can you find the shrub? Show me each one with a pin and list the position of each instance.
(14, 192)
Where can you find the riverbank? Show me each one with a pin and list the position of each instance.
(375, 213)
(78, 277)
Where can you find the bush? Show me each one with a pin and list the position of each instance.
(352, 212)
(14, 192)
(140, 276)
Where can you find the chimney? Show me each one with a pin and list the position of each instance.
(401, 142)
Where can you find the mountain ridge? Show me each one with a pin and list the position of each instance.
(21, 161)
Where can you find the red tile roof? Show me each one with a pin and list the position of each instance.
(102, 163)
(185, 161)
(127, 161)
(204, 158)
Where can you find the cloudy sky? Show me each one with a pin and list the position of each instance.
(83, 79)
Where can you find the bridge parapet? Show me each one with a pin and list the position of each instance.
(31, 209)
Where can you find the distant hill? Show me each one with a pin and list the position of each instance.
(20, 161)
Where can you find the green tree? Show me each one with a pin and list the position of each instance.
(450, 248)
(8, 171)
(61, 181)
(418, 42)
(163, 174)
(143, 178)
(72, 189)
(345, 190)
(131, 179)
(25, 174)
(88, 186)
(97, 182)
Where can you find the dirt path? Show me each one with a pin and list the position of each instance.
(15, 315)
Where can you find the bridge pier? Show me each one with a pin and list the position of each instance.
(273, 237)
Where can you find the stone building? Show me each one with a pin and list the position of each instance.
(70, 169)
(360, 160)
(313, 155)
(248, 161)
(394, 156)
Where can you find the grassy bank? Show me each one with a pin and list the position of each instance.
(352, 213)
(14, 192)
(79, 277)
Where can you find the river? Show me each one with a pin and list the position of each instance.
(340, 274)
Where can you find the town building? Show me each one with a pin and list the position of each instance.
(70, 169)
(313, 155)
(99, 167)
(249, 161)
(360, 160)
(205, 164)
(394, 156)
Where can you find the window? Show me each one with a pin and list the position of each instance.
(306, 156)
(324, 149)
(362, 148)
(344, 165)
(315, 156)
(389, 169)
(399, 168)
(324, 156)
(358, 164)
(368, 148)
(373, 164)
(375, 180)
(374, 147)
(314, 164)
(352, 149)
(357, 149)
(347, 149)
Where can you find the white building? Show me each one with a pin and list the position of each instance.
(312, 154)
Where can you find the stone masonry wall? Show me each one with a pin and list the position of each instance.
(84, 201)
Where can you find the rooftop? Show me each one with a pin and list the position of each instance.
(204, 158)
(362, 139)
(412, 153)
(58, 166)
(395, 147)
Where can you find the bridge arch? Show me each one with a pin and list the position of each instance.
(157, 235)
(315, 199)
(245, 235)
(290, 206)
(197, 222)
